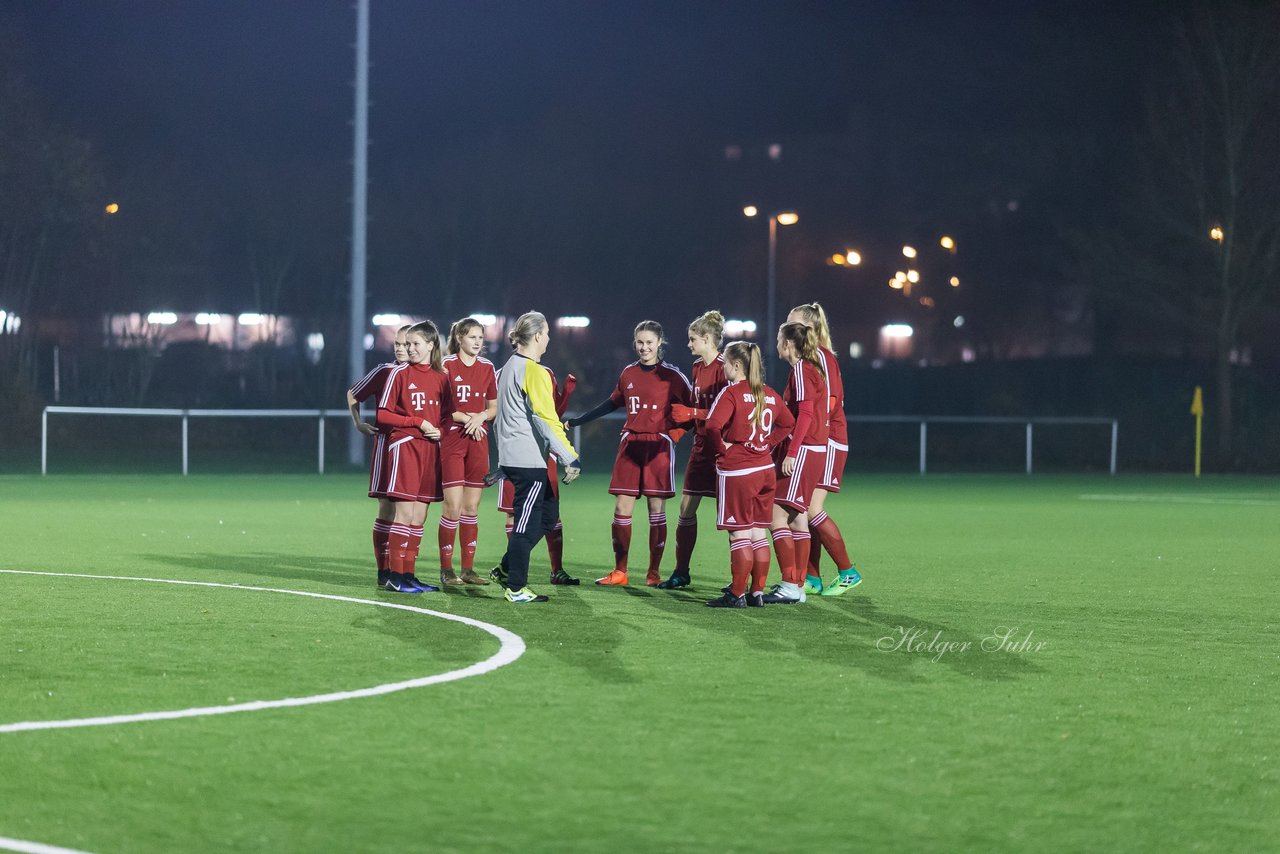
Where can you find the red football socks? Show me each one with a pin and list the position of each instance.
(621, 542)
(686, 537)
(657, 540)
(468, 530)
(741, 561)
(444, 536)
(760, 566)
(828, 534)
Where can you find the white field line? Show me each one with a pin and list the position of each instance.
(512, 647)
(1184, 499)
(27, 847)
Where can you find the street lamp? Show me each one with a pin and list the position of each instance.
(770, 318)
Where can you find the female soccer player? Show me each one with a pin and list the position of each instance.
(705, 335)
(820, 524)
(371, 386)
(507, 494)
(804, 460)
(645, 464)
(746, 422)
(464, 447)
(409, 410)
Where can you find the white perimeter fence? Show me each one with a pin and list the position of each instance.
(321, 414)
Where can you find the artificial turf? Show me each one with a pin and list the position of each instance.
(1133, 705)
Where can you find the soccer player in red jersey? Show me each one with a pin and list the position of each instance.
(646, 461)
(821, 526)
(371, 386)
(746, 422)
(507, 492)
(803, 459)
(410, 410)
(464, 447)
(705, 335)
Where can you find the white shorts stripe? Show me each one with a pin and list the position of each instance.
(523, 522)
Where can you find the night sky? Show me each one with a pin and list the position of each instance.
(571, 156)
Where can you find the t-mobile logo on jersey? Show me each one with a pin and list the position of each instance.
(633, 405)
(463, 392)
(419, 399)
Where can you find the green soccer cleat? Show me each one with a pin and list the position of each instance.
(849, 579)
(813, 585)
(523, 596)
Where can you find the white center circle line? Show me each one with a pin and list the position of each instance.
(512, 647)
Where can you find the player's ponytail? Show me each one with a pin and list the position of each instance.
(656, 328)
(811, 314)
(428, 330)
(805, 343)
(527, 325)
(747, 355)
(459, 330)
(710, 323)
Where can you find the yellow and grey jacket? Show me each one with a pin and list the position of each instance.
(527, 426)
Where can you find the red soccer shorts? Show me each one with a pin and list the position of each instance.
(833, 471)
(744, 499)
(414, 470)
(796, 491)
(377, 470)
(463, 461)
(700, 473)
(645, 465)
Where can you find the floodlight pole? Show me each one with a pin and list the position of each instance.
(359, 217)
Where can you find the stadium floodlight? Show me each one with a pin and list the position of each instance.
(206, 318)
(9, 322)
(739, 327)
(162, 318)
(250, 318)
(484, 319)
(913, 276)
(896, 330)
(908, 251)
(315, 341)
(386, 320)
(573, 322)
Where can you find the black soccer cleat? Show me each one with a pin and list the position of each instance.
(755, 599)
(563, 578)
(728, 600)
(677, 580)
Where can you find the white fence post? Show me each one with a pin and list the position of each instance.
(44, 442)
(1115, 433)
(321, 442)
(1028, 447)
(184, 442)
(924, 435)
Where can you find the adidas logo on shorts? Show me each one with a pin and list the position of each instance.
(732, 521)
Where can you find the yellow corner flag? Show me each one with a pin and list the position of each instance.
(1197, 409)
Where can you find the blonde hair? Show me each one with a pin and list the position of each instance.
(458, 331)
(656, 328)
(428, 330)
(710, 323)
(805, 341)
(811, 314)
(527, 325)
(748, 355)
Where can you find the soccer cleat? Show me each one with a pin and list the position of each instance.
(384, 575)
(523, 596)
(849, 579)
(728, 600)
(813, 585)
(653, 578)
(564, 578)
(782, 596)
(398, 583)
(422, 586)
(618, 576)
(469, 576)
(678, 579)
(755, 599)
(499, 575)
(451, 579)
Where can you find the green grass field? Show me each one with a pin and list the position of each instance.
(1138, 710)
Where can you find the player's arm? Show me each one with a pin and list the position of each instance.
(353, 406)
(541, 397)
(717, 419)
(603, 408)
(783, 425)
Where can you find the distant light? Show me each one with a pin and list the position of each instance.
(896, 330)
(788, 218)
(913, 276)
(368, 340)
(162, 318)
(250, 318)
(927, 302)
(739, 327)
(484, 319)
(900, 277)
(733, 152)
(855, 350)
(955, 281)
(315, 341)
(9, 322)
(205, 318)
(750, 210)
(112, 208)
(895, 283)
(573, 322)
(839, 260)
(909, 251)
(947, 243)
(967, 354)
(854, 258)
(1012, 206)
(1216, 233)
(958, 322)
(775, 152)
(386, 320)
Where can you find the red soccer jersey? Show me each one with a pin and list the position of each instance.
(373, 383)
(731, 421)
(807, 383)
(708, 380)
(647, 394)
(470, 388)
(414, 393)
(835, 391)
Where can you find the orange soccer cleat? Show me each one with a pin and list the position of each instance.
(618, 576)
(653, 578)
